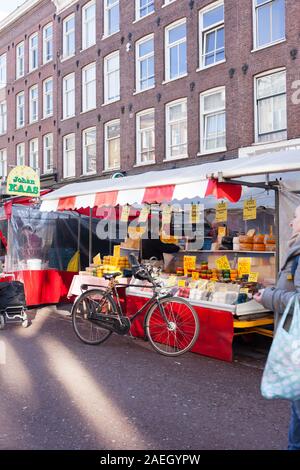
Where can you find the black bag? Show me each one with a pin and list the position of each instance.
(12, 294)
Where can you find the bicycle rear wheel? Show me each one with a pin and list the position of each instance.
(178, 334)
(84, 313)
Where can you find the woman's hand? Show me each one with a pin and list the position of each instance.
(258, 296)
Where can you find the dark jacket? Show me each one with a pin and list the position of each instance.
(155, 247)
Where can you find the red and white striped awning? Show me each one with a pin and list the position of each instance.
(152, 187)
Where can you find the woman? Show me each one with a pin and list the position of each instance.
(276, 299)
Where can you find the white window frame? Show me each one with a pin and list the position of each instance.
(138, 8)
(33, 104)
(108, 100)
(212, 91)
(46, 149)
(138, 61)
(20, 154)
(3, 164)
(66, 53)
(20, 60)
(86, 24)
(264, 74)
(66, 92)
(47, 96)
(168, 134)
(34, 153)
(65, 138)
(84, 150)
(204, 31)
(85, 85)
(167, 2)
(33, 52)
(47, 41)
(20, 107)
(107, 9)
(255, 27)
(3, 117)
(106, 125)
(168, 48)
(139, 133)
(3, 70)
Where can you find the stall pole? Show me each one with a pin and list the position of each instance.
(78, 238)
(277, 229)
(90, 235)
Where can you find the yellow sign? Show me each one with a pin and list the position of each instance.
(249, 212)
(222, 231)
(195, 276)
(195, 214)
(23, 181)
(189, 264)
(244, 290)
(244, 266)
(125, 213)
(253, 277)
(144, 214)
(97, 259)
(117, 250)
(221, 212)
(181, 283)
(166, 215)
(222, 263)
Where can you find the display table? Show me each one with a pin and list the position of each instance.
(44, 287)
(218, 324)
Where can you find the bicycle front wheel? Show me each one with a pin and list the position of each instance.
(85, 310)
(174, 331)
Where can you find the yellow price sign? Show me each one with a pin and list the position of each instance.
(181, 283)
(244, 266)
(222, 231)
(189, 263)
(253, 277)
(144, 214)
(221, 212)
(125, 213)
(249, 212)
(222, 263)
(195, 276)
(244, 290)
(195, 214)
(117, 251)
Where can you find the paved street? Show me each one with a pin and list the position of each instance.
(57, 393)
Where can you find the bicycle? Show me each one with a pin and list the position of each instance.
(171, 324)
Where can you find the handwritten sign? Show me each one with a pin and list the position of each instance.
(181, 283)
(221, 212)
(195, 276)
(222, 263)
(222, 231)
(189, 264)
(249, 212)
(117, 250)
(244, 266)
(195, 214)
(253, 277)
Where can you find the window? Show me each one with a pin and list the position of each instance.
(271, 110)
(2, 71)
(143, 8)
(34, 154)
(88, 25)
(145, 63)
(47, 43)
(69, 36)
(213, 120)
(20, 60)
(69, 96)
(3, 118)
(176, 123)
(212, 42)
(3, 163)
(33, 104)
(112, 145)
(112, 77)
(176, 62)
(168, 1)
(69, 156)
(269, 22)
(89, 87)
(48, 153)
(33, 52)
(89, 150)
(20, 111)
(48, 97)
(111, 17)
(21, 154)
(145, 135)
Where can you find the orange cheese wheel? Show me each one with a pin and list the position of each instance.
(259, 247)
(246, 246)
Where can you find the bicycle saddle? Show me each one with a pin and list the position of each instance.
(109, 276)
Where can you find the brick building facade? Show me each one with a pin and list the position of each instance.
(224, 84)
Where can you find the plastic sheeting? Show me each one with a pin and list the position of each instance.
(288, 202)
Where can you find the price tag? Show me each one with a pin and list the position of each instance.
(144, 214)
(253, 277)
(125, 213)
(117, 250)
(181, 283)
(222, 231)
(189, 263)
(195, 276)
(244, 266)
(249, 212)
(195, 214)
(166, 215)
(222, 263)
(244, 290)
(221, 212)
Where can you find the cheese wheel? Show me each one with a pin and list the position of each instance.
(246, 246)
(270, 247)
(259, 239)
(245, 239)
(259, 247)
